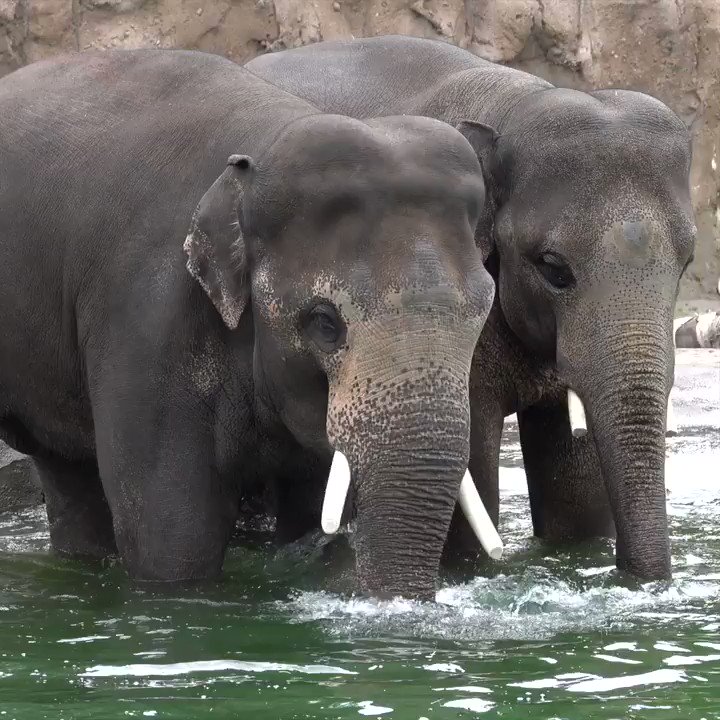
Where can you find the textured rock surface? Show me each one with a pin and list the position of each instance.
(669, 48)
(19, 483)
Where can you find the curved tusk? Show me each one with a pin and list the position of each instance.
(478, 518)
(671, 426)
(335, 494)
(576, 410)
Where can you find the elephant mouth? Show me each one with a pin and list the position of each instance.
(338, 485)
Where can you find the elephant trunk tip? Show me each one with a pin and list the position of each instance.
(656, 571)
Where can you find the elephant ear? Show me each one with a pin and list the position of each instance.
(483, 140)
(215, 246)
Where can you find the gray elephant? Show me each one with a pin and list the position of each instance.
(587, 231)
(334, 300)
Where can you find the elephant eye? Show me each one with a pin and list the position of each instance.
(555, 270)
(322, 324)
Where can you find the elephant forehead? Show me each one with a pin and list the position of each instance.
(633, 242)
(630, 219)
(360, 303)
(327, 192)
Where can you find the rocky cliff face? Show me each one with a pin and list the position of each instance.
(668, 48)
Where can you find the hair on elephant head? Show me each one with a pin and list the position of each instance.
(353, 243)
(593, 229)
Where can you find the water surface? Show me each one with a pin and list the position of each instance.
(544, 634)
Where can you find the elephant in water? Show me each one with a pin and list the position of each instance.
(587, 230)
(333, 302)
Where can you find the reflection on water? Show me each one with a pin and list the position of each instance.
(543, 634)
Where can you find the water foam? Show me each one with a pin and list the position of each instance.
(530, 606)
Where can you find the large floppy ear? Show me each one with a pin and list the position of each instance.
(483, 140)
(215, 245)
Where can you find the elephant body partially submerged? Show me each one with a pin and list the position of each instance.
(587, 230)
(334, 300)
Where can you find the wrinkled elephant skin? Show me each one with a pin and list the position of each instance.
(328, 296)
(587, 231)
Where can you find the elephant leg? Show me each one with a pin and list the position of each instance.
(485, 439)
(173, 509)
(78, 513)
(172, 520)
(568, 500)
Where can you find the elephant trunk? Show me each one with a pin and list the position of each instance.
(625, 391)
(400, 414)
(404, 500)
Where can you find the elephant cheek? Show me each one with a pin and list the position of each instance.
(530, 315)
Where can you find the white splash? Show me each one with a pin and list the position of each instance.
(477, 705)
(444, 667)
(616, 659)
(685, 660)
(367, 707)
(210, 666)
(587, 683)
(655, 677)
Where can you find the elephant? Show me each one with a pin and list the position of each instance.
(587, 229)
(325, 302)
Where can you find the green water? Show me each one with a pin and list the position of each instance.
(547, 634)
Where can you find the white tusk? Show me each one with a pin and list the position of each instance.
(478, 518)
(578, 423)
(335, 494)
(671, 426)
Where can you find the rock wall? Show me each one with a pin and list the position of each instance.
(668, 48)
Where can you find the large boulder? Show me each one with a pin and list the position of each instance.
(698, 331)
(19, 483)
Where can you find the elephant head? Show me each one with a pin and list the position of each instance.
(593, 228)
(352, 245)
